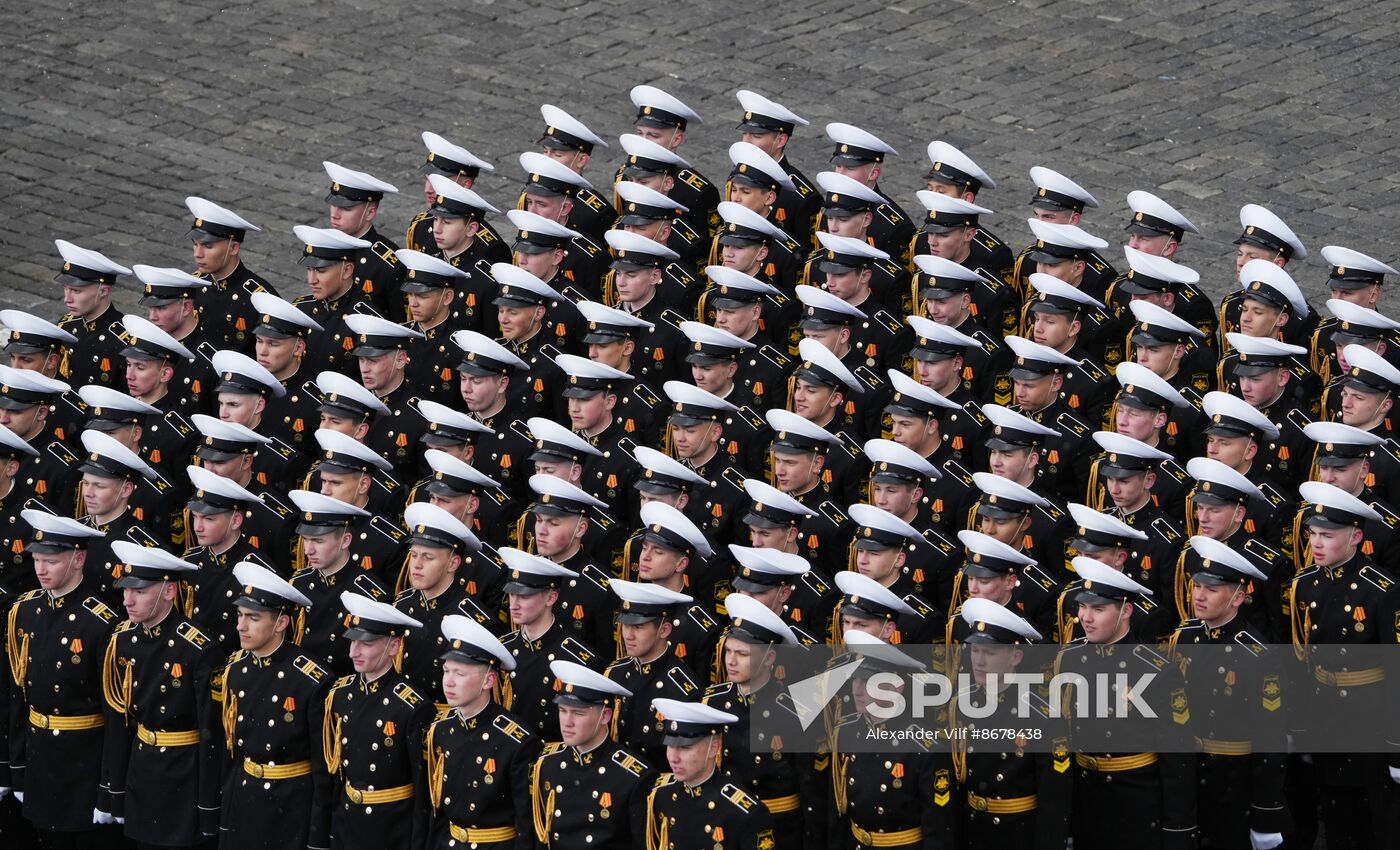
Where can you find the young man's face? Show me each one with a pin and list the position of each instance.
(379, 374)
(1234, 452)
(241, 408)
(481, 392)
(949, 311)
(1128, 492)
(746, 258)
(591, 413)
(1218, 521)
(353, 220)
(518, 323)
(276, 355)
(1013, 463)
(1213, 602)
(752, 198)
(1037, 393)
(852, 226)
(1054, 330)
(429, 307)
(1245, 252)
(553, 207)
(953, 245)
(796, 473)
(1333, 546)
(742, 321)
(1161, 359)
(1262, 390)
(635, 286)
(1138, 423)
(1260, 319)
(1360, 409)
(1156, 244)
(555, 535)
(1349, 477)
(212, 257)
(144, 377)
(1103, 623)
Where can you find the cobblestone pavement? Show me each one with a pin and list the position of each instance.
(113, 112)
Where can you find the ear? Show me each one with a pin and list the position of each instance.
(260, 405)
(361, 430)
(236, 520)
(664, 629)
(11, 468)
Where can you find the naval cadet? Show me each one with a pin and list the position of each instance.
(112, 477)
(329, 258)
(592, 391)
(328, 567)
(161, 371)
(1059, 201)
(695, 805)
(272, 700)
(243, 393)
(37, 345)
(786, 782)
(1345, 457)
(87, 278)
(229, 451)
(285, 335)
(353, 207)
(479, 756)
(537, 641)
(225, 305)
(675, 554)
(550, 187)
(160, 768)
(48, 473)
(1243, 728)
(217, 511)
(354, 474)
(376, 721)
(641, 270)
(438, 546)
(944, 291)
(908, 486)
(769, 126)
(649, 212)
(1165, 284)
(489, 383)
(647, 662)
(381, 348)
(994, 572)
(586, 787)
(568, 141)
(952, 230)
(56, 635)
(429, 286)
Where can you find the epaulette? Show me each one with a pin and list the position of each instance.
(752, 418)
(1173, 469)
(206, 350)
(269, 500)
(889, 213)
(718, 690)
(342, 682)
(1390, 518)
(628, 762)
(681, 680)
(1274, 496)
(1262, 552)
(405, 692)
(75, 401)
(179, 423)
(586, 245)
(869, 378)
(793, 246)
(313, 671)
(989, 240)
(700, 617)
(520, 428)
(1298, 418)
(888, 321)
(733, 476)
(368, 586)
(552, 747)
(1375, 577)
(989, 345)
(386, 252)
(921, 608)
(511, 729)
(681, 228)
(833, 513)
(774, 356)
(1249, 642)
(386, 528)
(1150, 656)
(124, 626)
(848, 443)
(1164, 529)
(741, 799)
(1092, 369)
(285, 451)
(253, 287)
(1068, 421)
(814, 583)
(1304, 573)
(1391, 448)
(1038, 577)
(61, 452)
(935, 539)
(974, 410)
(621, 663)
(469, 607)
(1037, 704)
(644, 394)
(137, 534)
(595, 575)
(691, 179)
(580, 652)
(600, 519)
(404, 595)
(956, 469)
(191, 633)
(591, 200)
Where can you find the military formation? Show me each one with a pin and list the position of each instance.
(494, 537)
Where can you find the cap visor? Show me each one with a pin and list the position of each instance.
(311, 261)
(342, 202)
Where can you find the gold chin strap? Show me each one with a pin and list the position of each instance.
(401, 583)
(299, 626)
(503, 691)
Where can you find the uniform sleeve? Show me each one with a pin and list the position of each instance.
(520, 765)
(18, 656)
(211, 742)
(1178, 770)
(118, 729)
(318, 836)
(637, 806)
(1054, 784)
(418, 769)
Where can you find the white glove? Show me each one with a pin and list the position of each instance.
(1394, 775)
(121, 820)
(101, 818)
(19, 796)
(1265, 840)
(4, 792)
